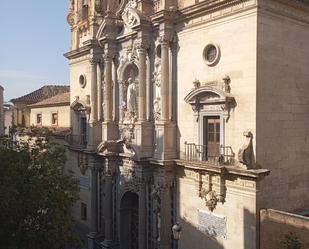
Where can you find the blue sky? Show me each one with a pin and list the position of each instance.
(34, 37)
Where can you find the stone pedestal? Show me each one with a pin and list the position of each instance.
(165, 141)
(109, 131)
(144, 138)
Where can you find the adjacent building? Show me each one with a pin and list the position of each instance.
(22, 104)
(53, 112)
(190, 112)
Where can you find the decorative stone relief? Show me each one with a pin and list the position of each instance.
(157, 108)
(211, 188)
(127, 133)
(98, 5)
(70, 17)
(210, 198)
(129, 17)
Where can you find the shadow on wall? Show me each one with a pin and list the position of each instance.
(193, 238)
(275, 225)
(250, 226)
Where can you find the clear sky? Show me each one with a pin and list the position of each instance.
(34, 37)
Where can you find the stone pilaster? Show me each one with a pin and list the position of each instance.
(166, 218)
(94, 88)
(94, 128)
(108, 203)
(94, 208)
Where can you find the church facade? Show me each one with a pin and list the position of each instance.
(179, 111)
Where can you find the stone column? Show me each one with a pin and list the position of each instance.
(115, 90)
(99, 90)
(108, 89)
(94, 89)
(142, 217)
(164, 79)
(94, 209)
(108, 209)
(149, 90)
(142, 105)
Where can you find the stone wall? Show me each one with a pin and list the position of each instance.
(236, 61)
(283, 106)
(275, 225)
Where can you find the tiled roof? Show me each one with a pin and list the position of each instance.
(41, 94)
(62, 98)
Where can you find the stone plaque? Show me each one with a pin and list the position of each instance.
(84, 182)
(211, 224)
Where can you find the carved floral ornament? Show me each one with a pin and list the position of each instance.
(211, 188)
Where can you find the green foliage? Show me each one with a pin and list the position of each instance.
(292, 241)
(36, 197)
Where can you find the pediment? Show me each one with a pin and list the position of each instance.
(208, 95)
(79, 105)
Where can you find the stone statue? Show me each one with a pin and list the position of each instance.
(131, 96)
(246, 154)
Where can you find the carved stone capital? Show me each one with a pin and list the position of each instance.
(93, 61)
(142, 45)
(165, 39)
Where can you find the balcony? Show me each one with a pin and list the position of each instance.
(77, 141)
(201, 153)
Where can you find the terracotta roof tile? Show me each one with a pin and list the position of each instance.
(41, 94)
(62, 98)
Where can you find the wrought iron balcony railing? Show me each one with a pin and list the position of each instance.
(201, 153)
(77, 140)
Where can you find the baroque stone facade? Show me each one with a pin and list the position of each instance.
(168, 119)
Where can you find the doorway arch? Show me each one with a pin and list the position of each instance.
(129, 221)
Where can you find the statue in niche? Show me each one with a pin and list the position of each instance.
(157, 82)
(131, 96)
(131, 101)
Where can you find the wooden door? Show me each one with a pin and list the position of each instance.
(212, 136)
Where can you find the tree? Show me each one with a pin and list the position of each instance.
(36, 197)
(292, 241)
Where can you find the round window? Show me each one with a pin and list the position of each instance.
(82, 81)
(211, 54)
